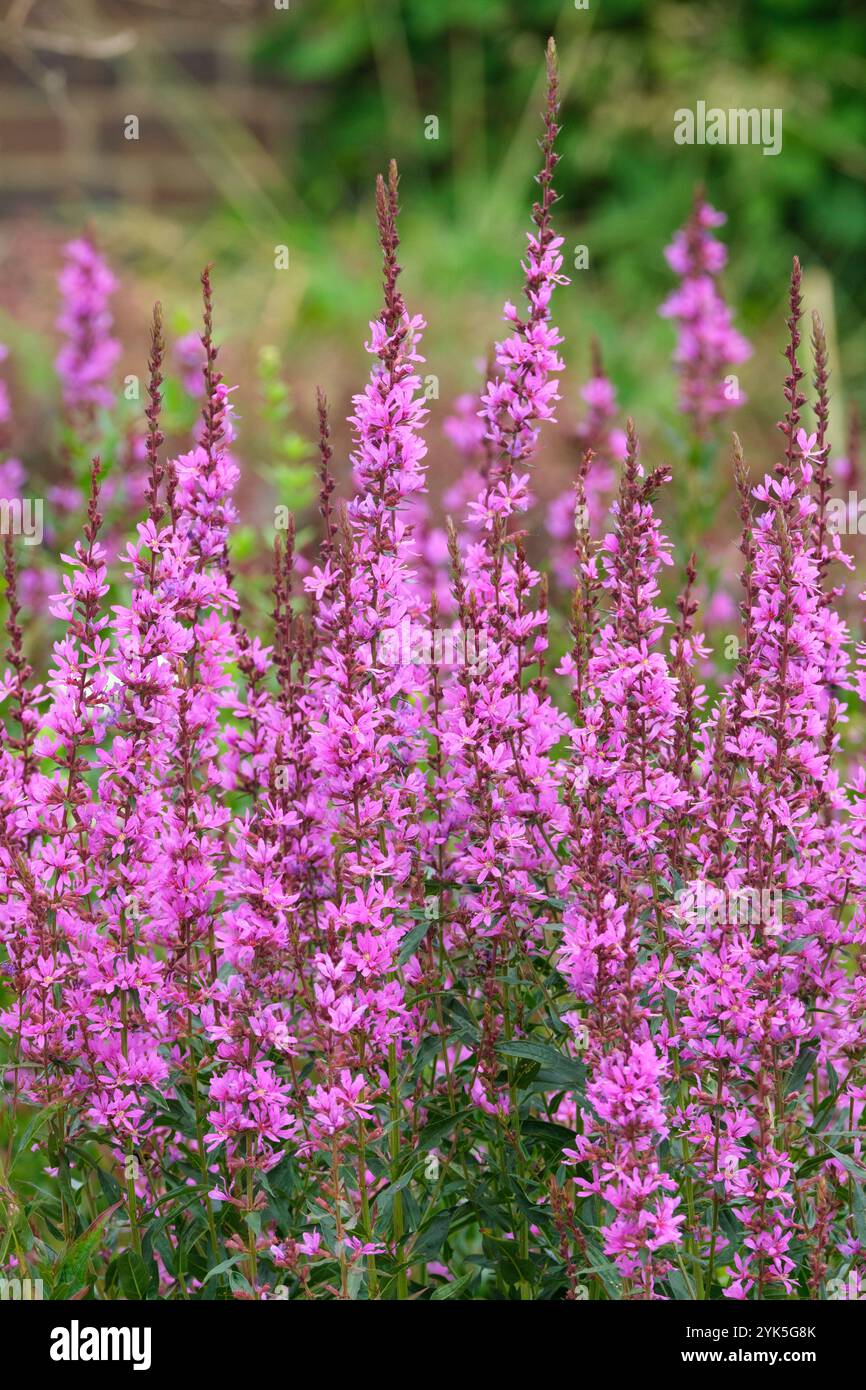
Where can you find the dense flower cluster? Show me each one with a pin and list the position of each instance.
(707, 342)
(89, 353)
(333, 965)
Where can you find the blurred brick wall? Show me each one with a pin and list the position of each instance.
(71, 73)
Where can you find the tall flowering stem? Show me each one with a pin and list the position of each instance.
(707, 343)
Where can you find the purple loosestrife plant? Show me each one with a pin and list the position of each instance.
(707, 342)
(89, 352)
(331, 968)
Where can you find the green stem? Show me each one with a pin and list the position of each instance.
(402, 1279)
(372, 1273)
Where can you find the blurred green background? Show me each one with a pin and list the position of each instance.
(626, 66)
(357, 80)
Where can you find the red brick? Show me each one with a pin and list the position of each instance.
(36, 134)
